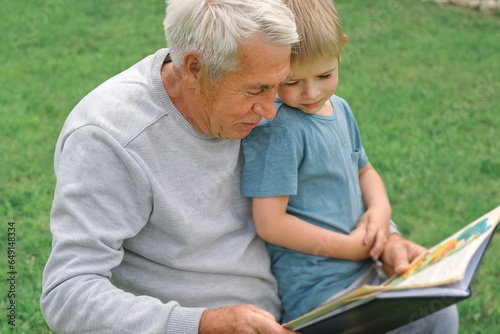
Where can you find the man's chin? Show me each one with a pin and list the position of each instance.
(242, 131)
(239, 135)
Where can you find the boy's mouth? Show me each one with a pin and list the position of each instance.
(311, 105)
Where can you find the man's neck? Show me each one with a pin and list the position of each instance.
(177, 92)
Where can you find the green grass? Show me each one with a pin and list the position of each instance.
(424, 85)
(423, 82)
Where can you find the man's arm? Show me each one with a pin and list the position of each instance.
(102, 197)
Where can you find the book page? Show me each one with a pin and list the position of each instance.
(447, 262)
(450, 269)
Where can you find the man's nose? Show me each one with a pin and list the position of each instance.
(265, 107)
(265, 110)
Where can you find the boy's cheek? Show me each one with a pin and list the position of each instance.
(286, 95)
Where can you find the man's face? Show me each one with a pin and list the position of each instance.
(232, 108)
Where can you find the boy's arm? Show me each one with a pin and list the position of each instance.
(378, 209)
(274, 225)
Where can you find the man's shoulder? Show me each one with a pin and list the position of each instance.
(122, 106)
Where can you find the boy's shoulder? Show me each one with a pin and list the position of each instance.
(285, 115)
(338, 99)
(281, 106)
(341, 107)
(339, 102)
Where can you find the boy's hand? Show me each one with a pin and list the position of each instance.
(356, 249)
(376, 232)
(360, 233)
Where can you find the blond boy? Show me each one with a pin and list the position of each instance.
(317, 200)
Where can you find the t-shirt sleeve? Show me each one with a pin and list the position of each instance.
(272, 158)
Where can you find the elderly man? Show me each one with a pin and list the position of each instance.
(150, 231)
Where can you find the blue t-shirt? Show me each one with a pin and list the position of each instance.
(315, 160)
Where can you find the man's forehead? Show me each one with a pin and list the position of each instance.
(263, 65)
(270, 82)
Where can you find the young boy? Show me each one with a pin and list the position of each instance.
(309, 176)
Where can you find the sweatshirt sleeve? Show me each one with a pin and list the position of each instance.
(102, 197)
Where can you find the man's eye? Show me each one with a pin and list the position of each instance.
(256, 93)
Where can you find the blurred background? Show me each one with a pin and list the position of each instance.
(422, 78)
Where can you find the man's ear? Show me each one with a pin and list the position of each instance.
(191, 68)
(344, 40)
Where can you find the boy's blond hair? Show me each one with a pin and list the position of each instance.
(320, 29)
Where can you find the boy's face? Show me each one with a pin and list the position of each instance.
(309, 88)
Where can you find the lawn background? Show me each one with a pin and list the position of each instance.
(423, 82)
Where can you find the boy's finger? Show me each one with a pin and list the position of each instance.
(371, 234)
(378, 247)
(362, 222)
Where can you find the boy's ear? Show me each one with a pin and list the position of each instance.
(191, 68)
(344, 40)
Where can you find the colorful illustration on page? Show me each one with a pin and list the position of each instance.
(443, 250)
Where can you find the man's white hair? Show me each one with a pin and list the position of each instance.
(215, 28)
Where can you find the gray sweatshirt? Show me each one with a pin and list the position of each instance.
(149, 225)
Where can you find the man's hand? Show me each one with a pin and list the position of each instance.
(398, 254)
(240, 319)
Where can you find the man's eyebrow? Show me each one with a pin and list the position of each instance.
(264, 87)
(261, 87)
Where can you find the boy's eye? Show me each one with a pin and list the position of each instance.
(326, 76)
(290, 83)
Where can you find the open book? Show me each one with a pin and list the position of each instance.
(438, 278)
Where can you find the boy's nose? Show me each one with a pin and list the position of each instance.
(311, 91)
